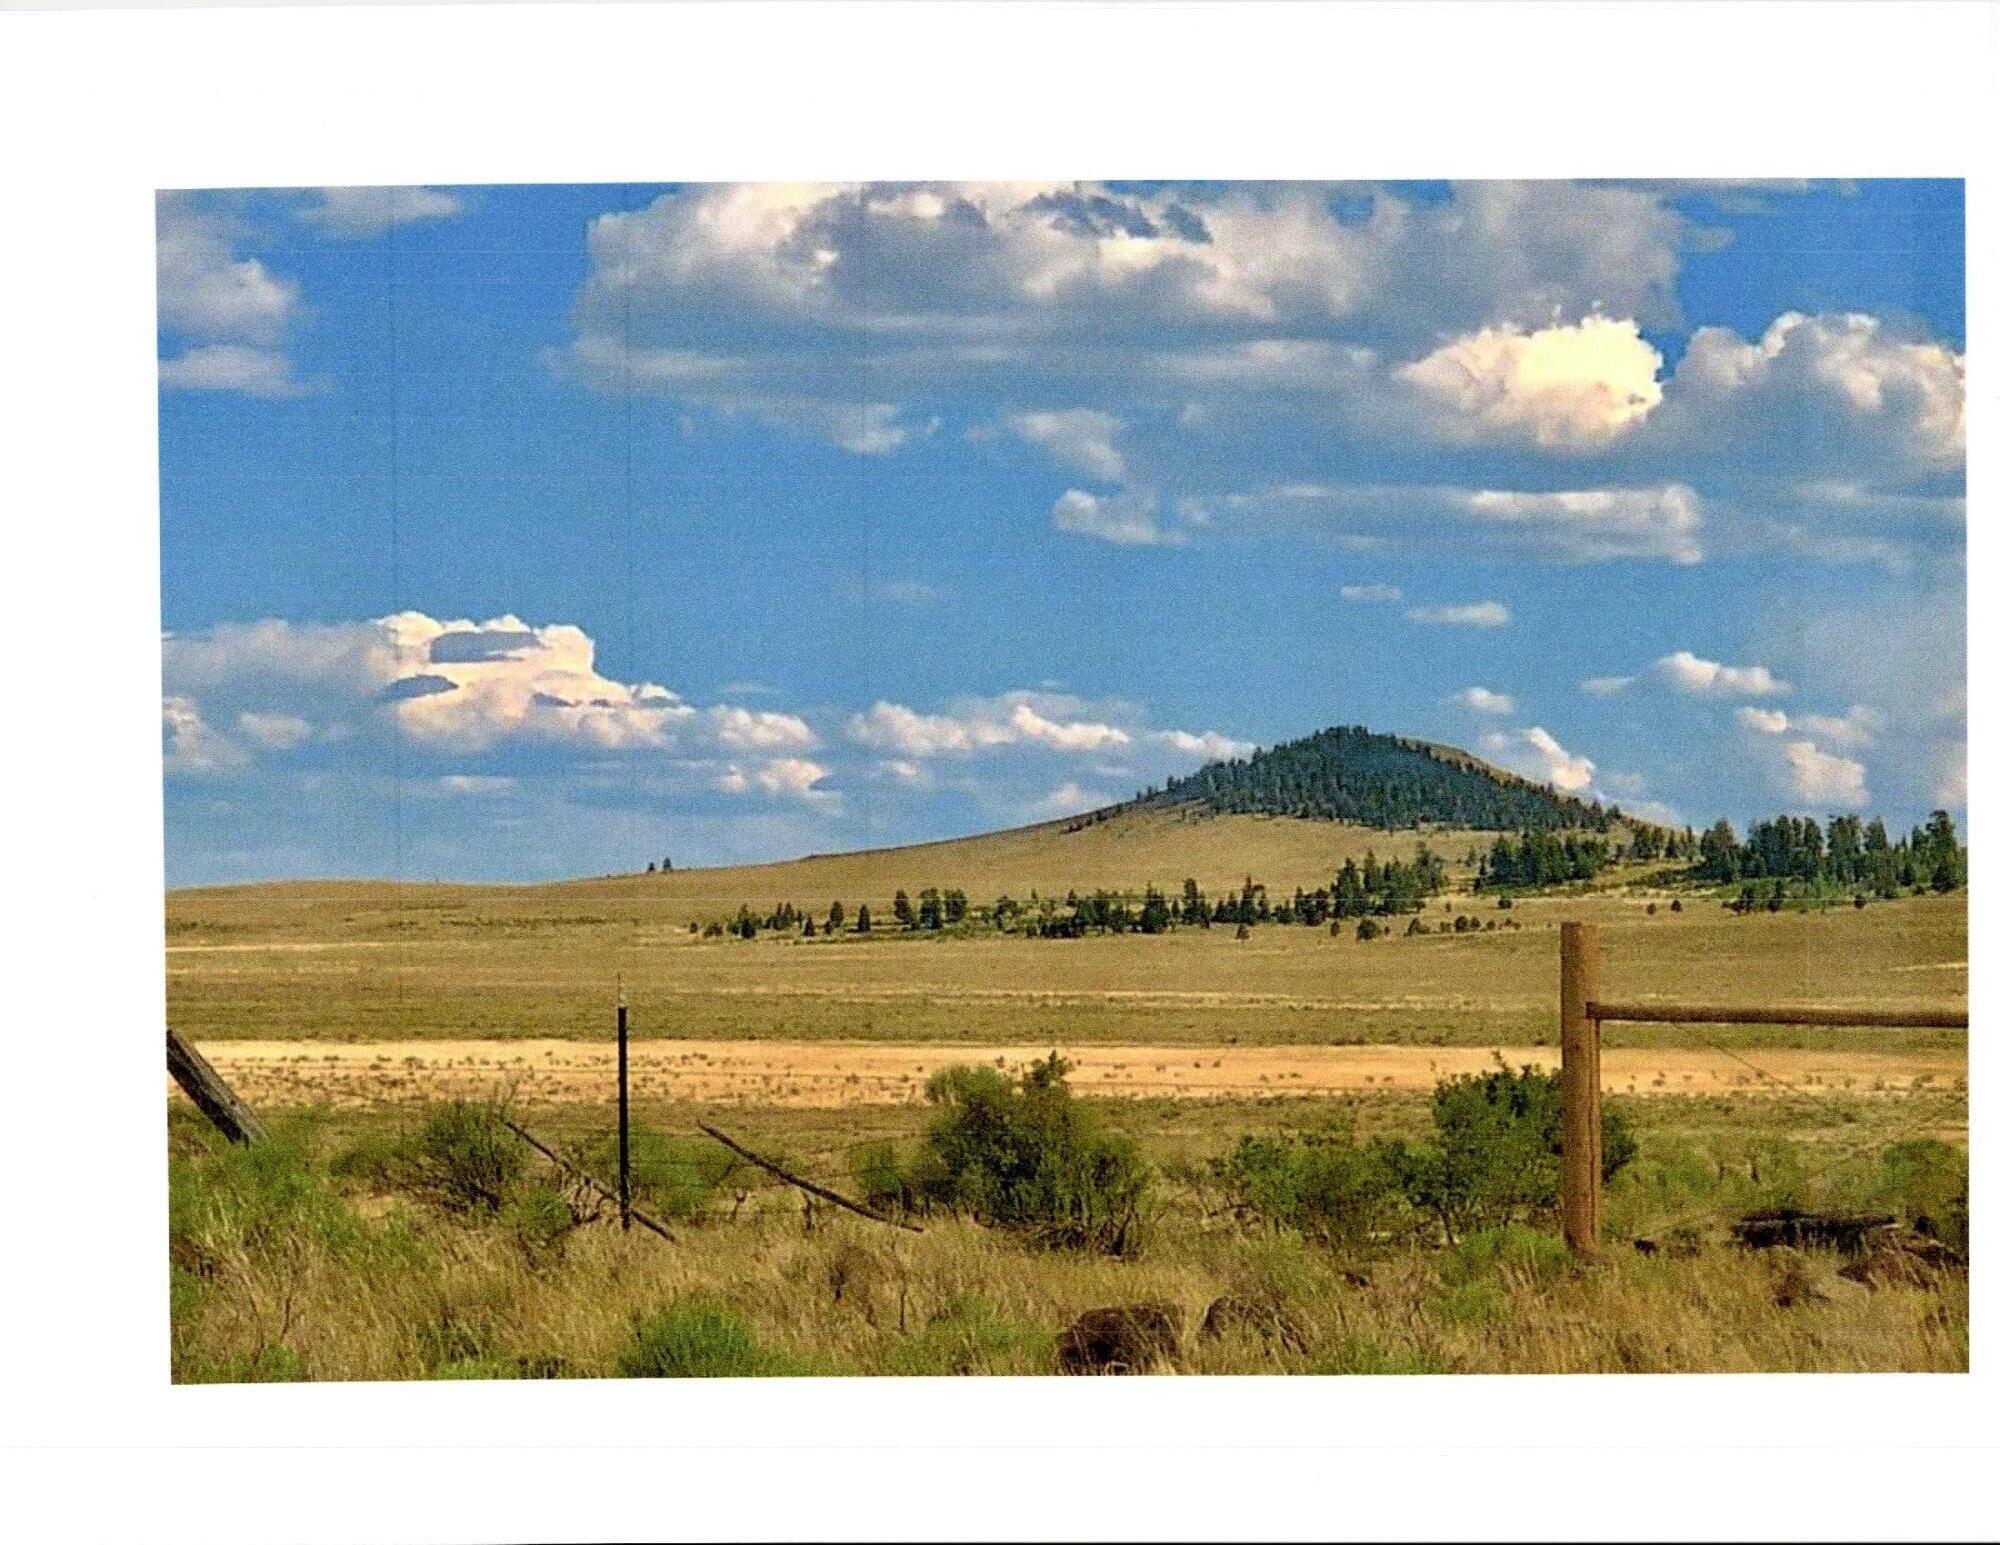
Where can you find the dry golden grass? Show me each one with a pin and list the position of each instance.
(1128, 852)
(282, 963)
(409, 1293)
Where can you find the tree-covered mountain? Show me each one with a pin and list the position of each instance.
(1349, 773)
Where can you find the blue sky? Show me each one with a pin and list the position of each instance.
(514, 532)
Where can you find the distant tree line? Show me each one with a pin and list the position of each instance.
(1845, 855)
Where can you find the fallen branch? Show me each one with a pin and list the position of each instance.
(570, 1169)
(805, 1185)
(215, 1099)
(1790, 1226)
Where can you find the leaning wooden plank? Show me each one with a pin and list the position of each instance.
(590, 1180)
(215, 1099)
(803, 1184)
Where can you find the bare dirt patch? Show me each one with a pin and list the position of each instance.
(829, 1074)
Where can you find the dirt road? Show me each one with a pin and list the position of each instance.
(831, 1074)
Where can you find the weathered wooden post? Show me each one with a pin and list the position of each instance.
(215, 1099)
(1582, 1093)
(624, 1124)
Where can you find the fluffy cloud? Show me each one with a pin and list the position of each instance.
(1022, 719)
(1535, 753)
(784, 777)
(231, 367)
(1208, 745)
(1591, 525)
(1684, 671)
(1688, 674)
(275, 731)
(1123, 519)
(1080, 438)
(1844, 382)
(1561, 386)
(193, 746)
(1859, 727)
(229, 313)
(1472, 614)
(910, 284)
(744, 729)
(1484, 700)
(1822, 779)
(448, 688)
(358, 213)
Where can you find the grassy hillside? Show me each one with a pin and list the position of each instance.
(1135, 847)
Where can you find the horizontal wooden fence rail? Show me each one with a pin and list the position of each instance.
(1743, 1014)
(1583, 1017)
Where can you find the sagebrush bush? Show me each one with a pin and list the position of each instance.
(1027, 1156)
(1331, 1190)
(463, 1158)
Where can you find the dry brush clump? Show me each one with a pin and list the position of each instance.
(306, 1258)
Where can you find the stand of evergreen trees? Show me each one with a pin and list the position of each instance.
(1846, 855)
(1351, 774)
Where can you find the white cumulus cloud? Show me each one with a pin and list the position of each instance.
(1573, 385)
(1823, 779)
(1484, 700)
(1535, 753)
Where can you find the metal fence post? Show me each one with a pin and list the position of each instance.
(1582, 1093)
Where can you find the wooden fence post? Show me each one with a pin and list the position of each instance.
(1582, 1093)
(624, 1124)
(214, 1098)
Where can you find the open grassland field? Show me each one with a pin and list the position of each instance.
(345, 1012)
(299, 1260)
(1128, 852)
(309, 963)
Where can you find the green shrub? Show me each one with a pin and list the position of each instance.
(253, 1197)
(1927, 1182)
(672, 1176)
(1498, 1154)
(374, 1159)
(966, 1337)
(277, 1364)
(881, 1178)
(540, 1218)
(462, 1157)
(1332, 1191)
(1472, 1303)
(1027, 1156)
(1511, 1250)
(697, 1339)
(1364, 1355)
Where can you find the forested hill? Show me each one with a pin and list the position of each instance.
(1351, 774)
